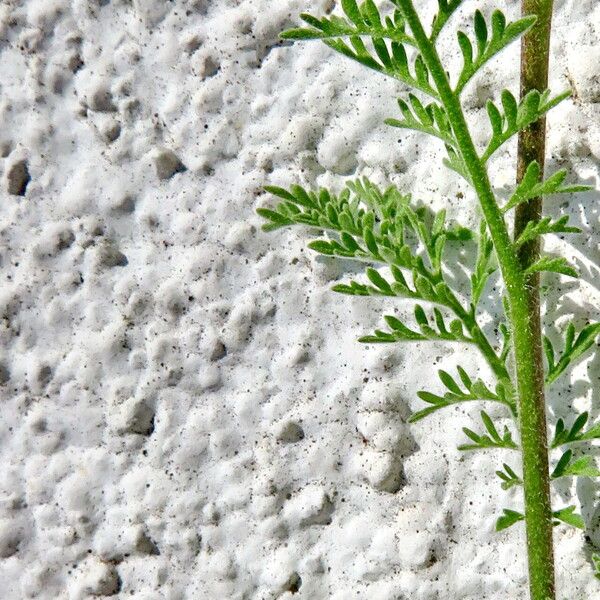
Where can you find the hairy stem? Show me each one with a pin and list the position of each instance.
(535, 52)
(538, 512)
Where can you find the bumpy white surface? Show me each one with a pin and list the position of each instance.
(184, 410)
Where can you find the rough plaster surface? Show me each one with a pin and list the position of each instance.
(184, 412)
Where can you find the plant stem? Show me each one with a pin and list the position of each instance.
(532, 419)
(535, 53)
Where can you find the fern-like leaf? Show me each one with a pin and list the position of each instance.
(502, 34)
(468, 392)
(484, 266)
(492, 439)
(531, 186)
(430, 119)
(517, 116)
(569, 516)
(574, 349)
(509, 478)
(552, 264)
(446, 9)
(364, 20)
(367, 224)
(508, 519)
(580, 467)
(438, 330)
(534, 229)
(387, 36)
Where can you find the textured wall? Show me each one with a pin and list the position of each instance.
(184, 410)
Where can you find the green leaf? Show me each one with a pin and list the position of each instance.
(582, 467)
(552, 265)
(596, 561)
(445, 10)
(351, 9)
(280, 192)
(464, 377)
(481, 32)
(569, 516)
(489, 425)
(276, 219)
(421, 414)
(518, 116)
(449, 382)
(378, 281)
(493, 440)
(531, 186)
(534, 229)
(509, 478)
(502, 36)
(591, 434)
(559, 469)
(509, 518)
(430, 119)
(322, 247)
(484, 266)
(574, 349)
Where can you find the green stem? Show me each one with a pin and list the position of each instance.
(532, 418)
(535, 52)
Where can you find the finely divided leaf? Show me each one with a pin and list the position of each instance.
(517, 116)
(488, 46)
(445, 10)
(534, 229)
(493, 440)
(574, 349)
(552, 265)
(509, 478)
(509, 518)
(569, 516)
(531, 186)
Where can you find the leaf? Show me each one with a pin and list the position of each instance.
(449, 382)
(464, 377)
(509, 518)
(591, 434)
(549, 351)
(276, 220)
(330, 28)
(531, 187)
(492, 440)
(553, 265)
(351, 9)
(534, 229)
(483, 267)
(278, 191)
(596, 561)
(582, 467)
(495, 117)
(559, 469)
(489, 425)
(488, 47)
(322, 247)
(430, 119)
(509, 478)
(379, 282)
(517, 116)
(574, 349)
(344, 35)
(354, 289)
(481, 32)
(570, 517)
(445, 10)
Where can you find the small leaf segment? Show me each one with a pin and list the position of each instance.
(403, 246)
